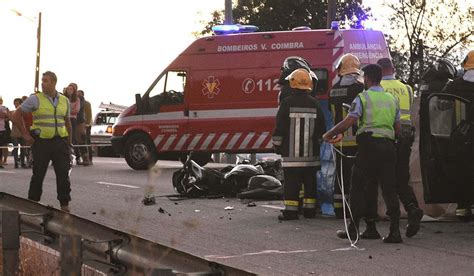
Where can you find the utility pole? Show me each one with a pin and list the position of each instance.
(38, 51)
(332, 5)
(228, 13)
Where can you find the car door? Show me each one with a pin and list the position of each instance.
(442, 144)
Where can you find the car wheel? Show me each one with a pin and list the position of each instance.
(140, 152)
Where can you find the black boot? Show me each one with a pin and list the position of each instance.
(288, 215)
(309, 213)
(463, 212)
(394, 235)
(414, 219)
(353, 230)
(370, 232)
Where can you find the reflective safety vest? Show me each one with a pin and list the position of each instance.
(49, 119)
(404, 93)
(378, 114)
(349, 138)
(345, 92)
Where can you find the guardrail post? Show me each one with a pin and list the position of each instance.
(70, 247)
(10, 241)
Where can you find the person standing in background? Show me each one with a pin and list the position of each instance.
(4, 135)
(88, 121)
(28, 120)
(81, 131)
(71, 94)
(17, 140)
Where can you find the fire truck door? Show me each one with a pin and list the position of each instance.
(166, 110)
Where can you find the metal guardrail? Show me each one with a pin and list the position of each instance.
(125, 253)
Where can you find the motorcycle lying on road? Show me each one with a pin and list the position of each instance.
(194, 181)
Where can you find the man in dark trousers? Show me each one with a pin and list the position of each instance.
(378, 114)
(349, 85)
(297, 134)
(50, 137)
(404, 94)
(464, 173)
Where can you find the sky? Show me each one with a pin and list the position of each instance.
(112, 49)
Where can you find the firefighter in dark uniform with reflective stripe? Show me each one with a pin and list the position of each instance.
(50, 138)
(404, 94)
(379, 119)
(290, 64)
(344, 91)
(298, 130)
(464, 175)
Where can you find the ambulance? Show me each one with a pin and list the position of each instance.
(221, 93)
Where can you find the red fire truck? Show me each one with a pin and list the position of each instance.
(220, 94)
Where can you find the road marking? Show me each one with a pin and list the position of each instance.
(120, 185)
(273, 207)
(348, 249)
(264, 252)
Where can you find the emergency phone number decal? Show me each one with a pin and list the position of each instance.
(249, 85)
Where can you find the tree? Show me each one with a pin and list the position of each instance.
(422, 31)
(279, 15)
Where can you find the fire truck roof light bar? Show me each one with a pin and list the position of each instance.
(233, 29)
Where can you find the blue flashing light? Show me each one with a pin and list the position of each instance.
(233, 29)
(334, 25)
(225, 29)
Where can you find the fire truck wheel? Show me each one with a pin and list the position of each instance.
(202, 158)
(140, 152)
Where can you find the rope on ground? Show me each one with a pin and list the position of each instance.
(340, 182)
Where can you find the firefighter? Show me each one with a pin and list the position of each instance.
(298, 130)
(464, 87)
(379, 119)
(344, 91)
(290, 64)
(404, 94)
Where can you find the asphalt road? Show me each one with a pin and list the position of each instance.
(250, 238)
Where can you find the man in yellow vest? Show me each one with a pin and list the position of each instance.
(378, 115)
(404, 94)
(50, 138)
